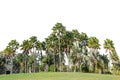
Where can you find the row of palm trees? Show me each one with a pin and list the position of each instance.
(62, 51)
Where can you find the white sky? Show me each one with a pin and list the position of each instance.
(20, 19)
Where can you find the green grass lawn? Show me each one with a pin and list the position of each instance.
(59, 76)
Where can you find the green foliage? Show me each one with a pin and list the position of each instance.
(93, 42)
(84, 68)
(51, 68)
(42, 67)
(45, 59)
(2, 62)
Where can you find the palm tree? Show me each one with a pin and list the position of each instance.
(76, 50)
(33, 40)
(52, 46)
(109, 46)
(59, 31)
(93, 44)
(83, 42)
(40, 46)
(26, 47)
(68, 42)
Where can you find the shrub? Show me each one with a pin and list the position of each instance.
(84, 68)
(51, 69)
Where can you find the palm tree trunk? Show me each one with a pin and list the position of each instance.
(25, 65)
(68, 51)
(11, 64)
(60, 57)
(75, 68)
(54, 64)
(94, 70)
(68, 67)
(68, 64)
(78, 66)
(41, 57)
(34, 61)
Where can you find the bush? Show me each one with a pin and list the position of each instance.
(65, 68)
(42, 67)
(72, 68)
(51, 69)
(84, 68)
(7, 72)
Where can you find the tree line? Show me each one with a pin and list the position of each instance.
(61, 51)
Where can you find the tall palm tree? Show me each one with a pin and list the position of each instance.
(109, 46)
(33, 40)
(52, 46)
(59, 30)
(83, 42)
(26, 47)
(68, 42)
(79, 48)
(40, 46)
(76, 50)
(93, 44)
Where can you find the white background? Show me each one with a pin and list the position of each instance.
(20, 19)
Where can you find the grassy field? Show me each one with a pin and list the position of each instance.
(59, 76)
